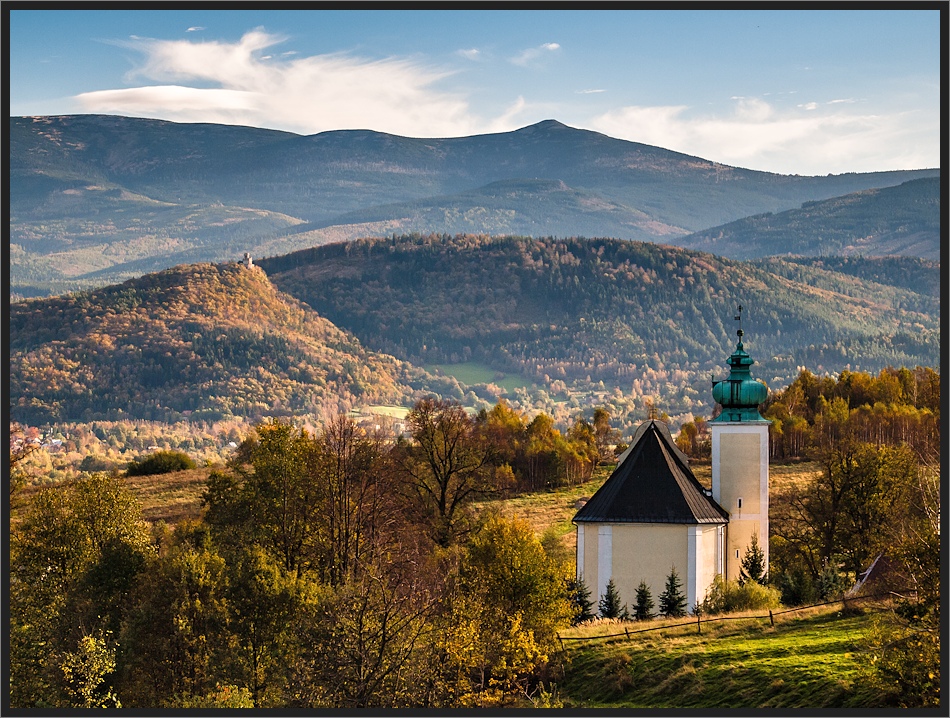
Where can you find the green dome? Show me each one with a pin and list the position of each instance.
(740, 394)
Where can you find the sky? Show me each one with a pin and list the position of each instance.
(808, 92)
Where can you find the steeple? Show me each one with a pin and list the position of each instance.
(740, 394)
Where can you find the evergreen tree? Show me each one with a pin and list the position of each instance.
(610, 605)
(643, 609)
(672, 600)
(580, 600)
(753, 566)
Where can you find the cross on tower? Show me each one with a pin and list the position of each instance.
(738, 318)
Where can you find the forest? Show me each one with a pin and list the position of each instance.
(344, 568)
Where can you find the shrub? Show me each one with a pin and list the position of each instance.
(161, 462)
(729, 596)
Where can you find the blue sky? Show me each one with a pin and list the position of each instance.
(792, 91)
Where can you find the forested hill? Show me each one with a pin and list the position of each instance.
(205, 341)
(575, 312)
(902, 220)
(96, 199)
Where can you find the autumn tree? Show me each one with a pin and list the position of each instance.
(510, 602)
(605, 436)
(177, 645)
(445, 467)
(74, 559)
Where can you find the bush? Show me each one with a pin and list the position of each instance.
(728, 596)
(94, 462)
(161, 462)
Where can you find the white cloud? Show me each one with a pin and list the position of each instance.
(194, 28)
(757, 136)
(216, 81)
(526, 57)
(809, 106)
(471, 54)
(589, 92)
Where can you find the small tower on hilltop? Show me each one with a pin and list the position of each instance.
(740, 458)
(248, 262)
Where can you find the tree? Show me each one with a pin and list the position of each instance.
(161, 462)
(279, 502)
(74, 559)
(509, 604)
(446, 466)
(643, 609)
(20, 451)
(672, 600)
(752, 567)
(261, 599)
(604, 435)
(176, 641)
(610, 605)
(349, 464)
(580, 599)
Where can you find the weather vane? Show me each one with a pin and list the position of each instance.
(738, 318)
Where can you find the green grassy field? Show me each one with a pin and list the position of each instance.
(475, 373)
(810, 659)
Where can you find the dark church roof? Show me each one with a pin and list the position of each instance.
(653, 484)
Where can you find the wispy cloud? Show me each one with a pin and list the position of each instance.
(471, 54)
(244, 83)
(194, 28)
(803, 140)
(589, 92)
(527, 57)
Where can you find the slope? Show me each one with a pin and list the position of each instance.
(204, 341)
(571, 313)
(57, 164)
(901, 220)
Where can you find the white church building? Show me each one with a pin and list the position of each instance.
(652, 514)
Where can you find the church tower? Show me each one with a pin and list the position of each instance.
(740, 459)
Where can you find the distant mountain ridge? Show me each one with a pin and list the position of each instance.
(97, 198)
(891, 221)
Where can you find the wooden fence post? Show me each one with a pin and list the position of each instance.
(771, 618)
(699, 625)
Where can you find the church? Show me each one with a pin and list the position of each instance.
(652, 514)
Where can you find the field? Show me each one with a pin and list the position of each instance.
(470, 373)
(808, 659)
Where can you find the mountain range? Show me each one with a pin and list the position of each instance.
(96, 199)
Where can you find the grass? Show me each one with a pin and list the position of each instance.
(807, 660)
(470, 373)
(171, 497)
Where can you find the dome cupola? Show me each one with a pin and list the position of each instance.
(740, 395)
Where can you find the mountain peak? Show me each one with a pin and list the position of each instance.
(545, 126)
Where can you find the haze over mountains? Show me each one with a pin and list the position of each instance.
(96, 199)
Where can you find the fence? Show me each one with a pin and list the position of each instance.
(699, 621)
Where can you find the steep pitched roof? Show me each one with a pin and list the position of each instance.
(652, 484)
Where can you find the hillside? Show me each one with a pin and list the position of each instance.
(572, 313)
(201, 341)
(96, 199)
(901, 220)
(813, 660)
